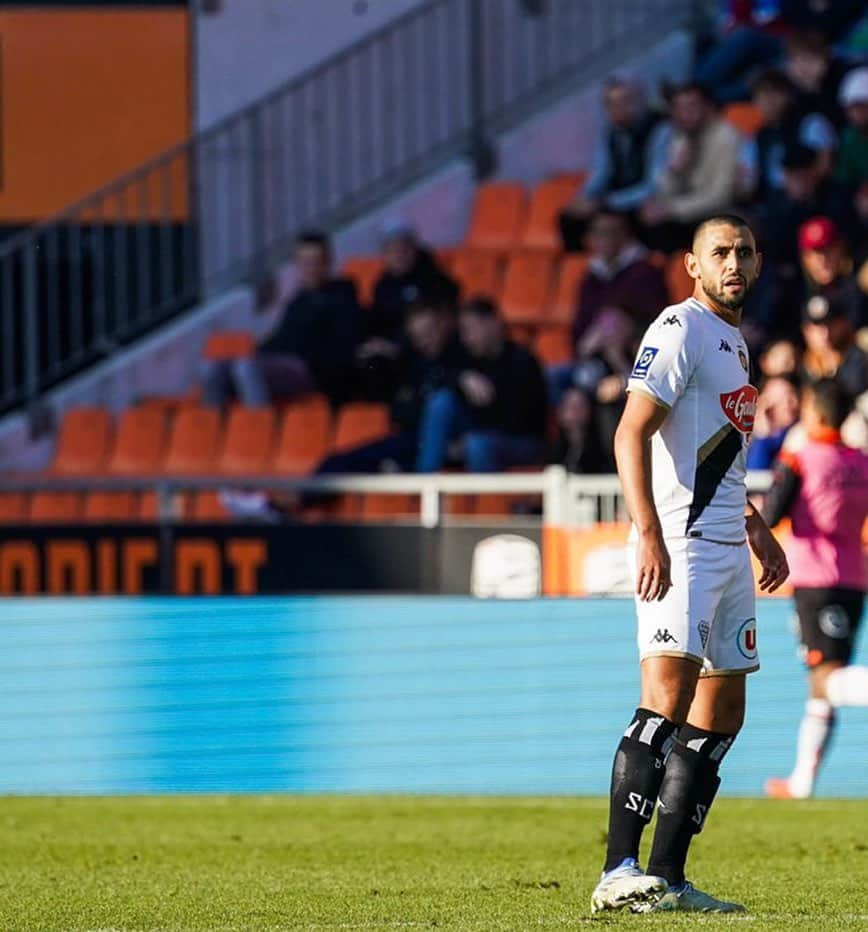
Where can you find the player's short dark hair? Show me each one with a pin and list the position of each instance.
(480, 306)
(732, 220)
(313, 238)
(773, 79)
(830, 400)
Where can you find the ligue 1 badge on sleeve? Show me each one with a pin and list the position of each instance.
(643, 362)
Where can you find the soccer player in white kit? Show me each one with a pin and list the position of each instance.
(681, 449)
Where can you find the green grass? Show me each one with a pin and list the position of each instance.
(282, 862)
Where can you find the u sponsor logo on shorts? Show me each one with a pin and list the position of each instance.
(746, 639)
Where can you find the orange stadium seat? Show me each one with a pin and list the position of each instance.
(745, 117)
(181, 506)
(479, 273)
(679, 283)
(248, 444)
(111, 506)
(206, 507)
(498, 215)
(572, 271)
(554, 345)
(377, 506)
(13, 508)
(52, 507)
(83, 441)
(527, 287)
(359, 423)
(140, 443)
(305, 437)
(364, 271)
(445, 257)
(547, 201)
(229, 344)
(194, 442)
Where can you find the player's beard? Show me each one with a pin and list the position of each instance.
(731, 302)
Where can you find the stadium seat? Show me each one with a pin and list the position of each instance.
(479, 273)
(206, 507)
(54, 507)
(547, 201)
(554, 345)
(745, 117)
(679, 283)
(194, 442)
(527, 287)
(229, 344)
(13, 508)
(498, 217)
(140, 442)
(111, 506)
(445, 257)
(305, 437)
(181, 506)
(376, 506)
(248, 444)
(569, 277)
(359, 423)
(364, 271)
(83, 441)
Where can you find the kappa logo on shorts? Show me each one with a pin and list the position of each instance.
(704, 630)
(643, 363)
(746, 639)
(662, 636)
(740, 407)
(834, 622)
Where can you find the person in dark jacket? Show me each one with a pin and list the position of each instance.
(411, 272)
(312, 347)
(428, 359)
(494, 413)
(577, 446)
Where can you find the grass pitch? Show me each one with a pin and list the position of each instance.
(266, 863)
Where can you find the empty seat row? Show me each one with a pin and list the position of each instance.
(200, 441)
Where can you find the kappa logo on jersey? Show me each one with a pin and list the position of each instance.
(740, 407)
(725, 347)
(670, 321)
(746, 639)
(643, 363)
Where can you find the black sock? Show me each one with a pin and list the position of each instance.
(688, 790)
(636, 777)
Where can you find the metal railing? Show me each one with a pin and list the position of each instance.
(224, 206)
(567, 500)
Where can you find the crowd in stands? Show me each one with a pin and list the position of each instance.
(465, 389)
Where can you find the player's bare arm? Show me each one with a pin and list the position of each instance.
(766, 549)
(642, 418)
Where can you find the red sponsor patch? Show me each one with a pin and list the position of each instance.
(740, 407)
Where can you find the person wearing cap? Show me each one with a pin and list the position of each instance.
(851, 167)
(827, 269)
(830, 348)
(410, 273)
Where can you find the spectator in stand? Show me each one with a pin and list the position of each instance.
(830, 349)
(702, 172)
(577, 447)
(785, 124)
(313, 346)
(779, 358)
(494, 414)
(628, 154)
(805, 195)
(429, 359)
(815, 73)
(411, 272)
(851, 168)
(777, 411)
(828, 269)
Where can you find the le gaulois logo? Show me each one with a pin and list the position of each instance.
(740, 407)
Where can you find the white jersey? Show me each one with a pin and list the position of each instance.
(696, 365)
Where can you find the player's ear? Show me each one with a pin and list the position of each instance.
(691, 263)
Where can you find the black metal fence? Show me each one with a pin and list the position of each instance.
(321, 150)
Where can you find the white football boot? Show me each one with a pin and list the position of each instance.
(686, 898)
(627, 885)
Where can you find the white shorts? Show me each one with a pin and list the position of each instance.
(709, 614)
